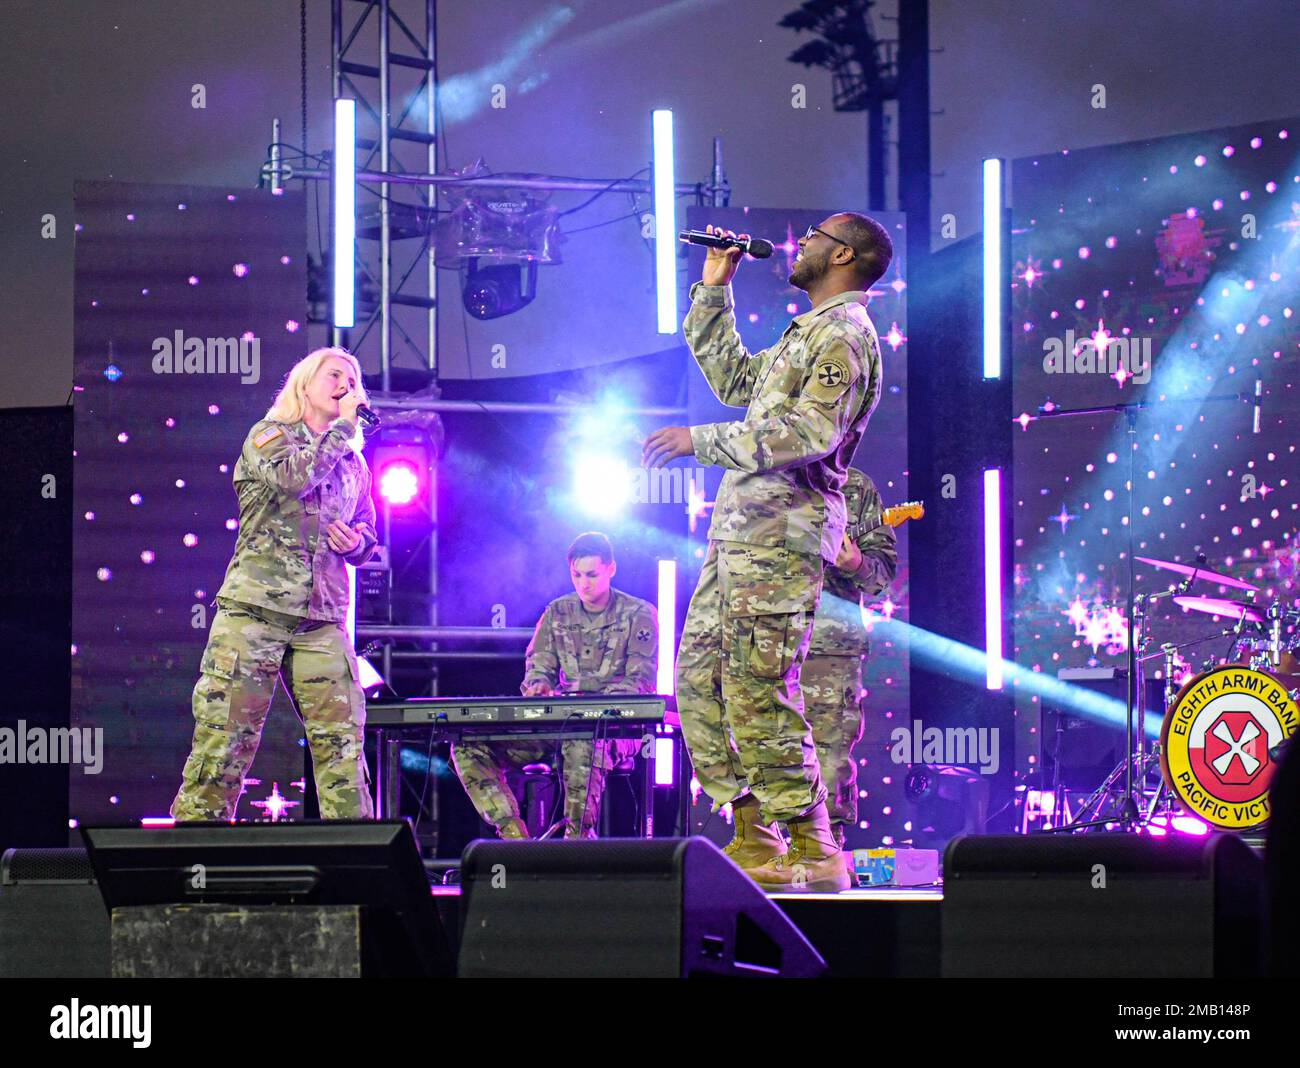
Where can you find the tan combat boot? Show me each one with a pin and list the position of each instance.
(841, 840)
(513, 829)
(814, 862)
(755, 843)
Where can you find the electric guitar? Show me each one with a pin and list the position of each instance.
(894, 517)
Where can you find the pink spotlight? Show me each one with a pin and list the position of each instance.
(399, 483)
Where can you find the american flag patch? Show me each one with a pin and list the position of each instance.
(269, 434)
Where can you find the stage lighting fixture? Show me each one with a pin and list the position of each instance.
(993, 578)
(344, 188)
(500, 289)
(399, 483)
(666, 668)
(995, 258)
(402, 462)
(500, 234)
(948, 800)
(665, 191)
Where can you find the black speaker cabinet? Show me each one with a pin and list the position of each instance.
(52, 919)
(669, 907)
(1101, 906)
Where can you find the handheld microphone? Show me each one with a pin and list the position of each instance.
(755, 246)
(363, 413)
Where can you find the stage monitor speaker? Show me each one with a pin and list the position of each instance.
(367, 863)
(1101, 906)
(52, 922)
(668, 907)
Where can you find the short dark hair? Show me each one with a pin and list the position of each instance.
(870, 241)
(591, 543)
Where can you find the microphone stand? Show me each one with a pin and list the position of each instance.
(1129, 817)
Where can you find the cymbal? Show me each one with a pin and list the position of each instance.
(1216, 606)
(1202, 573)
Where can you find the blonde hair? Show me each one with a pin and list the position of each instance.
(291, 402)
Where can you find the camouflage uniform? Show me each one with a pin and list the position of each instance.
(281, 609)
(574, 651)
(780, 515)
(832, 674)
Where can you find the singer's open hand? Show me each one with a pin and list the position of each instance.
(720, 263)
(341, 537)
(666, 445)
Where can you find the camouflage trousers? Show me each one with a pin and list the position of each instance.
(831, 685)
(482, 767)
(249, 647)
(738, 693)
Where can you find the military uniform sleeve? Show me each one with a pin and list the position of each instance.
(363, 521)
(844, 378)
(289, 467)
(640, 675)
(541, 662)
(710, 328)
(879, 548)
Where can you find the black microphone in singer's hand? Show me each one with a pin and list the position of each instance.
(755, 246)
(363, 413)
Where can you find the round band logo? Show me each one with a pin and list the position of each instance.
(1219, 744)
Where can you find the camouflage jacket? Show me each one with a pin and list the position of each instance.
(809, 397)
(837, 626)
(291, 484)
(614, 651)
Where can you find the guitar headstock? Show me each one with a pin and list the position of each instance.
(901, 513)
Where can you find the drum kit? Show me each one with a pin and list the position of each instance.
(1222, 727)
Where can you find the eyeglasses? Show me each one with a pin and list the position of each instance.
(816, 230)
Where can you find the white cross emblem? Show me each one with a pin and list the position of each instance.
(1236, 747)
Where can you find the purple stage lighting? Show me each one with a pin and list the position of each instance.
(399, 483)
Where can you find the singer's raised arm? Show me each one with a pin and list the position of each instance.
(843, 381)
(710, 328)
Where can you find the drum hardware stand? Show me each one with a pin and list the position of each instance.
(1129, 817)
(1274, 617)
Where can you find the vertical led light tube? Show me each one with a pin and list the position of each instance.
(667, 625)
(343, 239)
(994, 267)
(993, 578)
(665, 222)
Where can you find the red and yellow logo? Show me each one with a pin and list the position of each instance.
(1219, 742)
